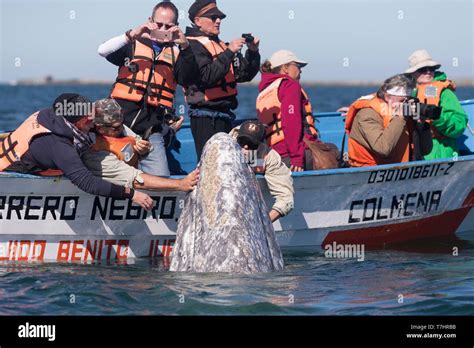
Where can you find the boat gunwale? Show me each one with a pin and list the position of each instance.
(310, 173)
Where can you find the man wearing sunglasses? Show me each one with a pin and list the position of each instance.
(52, 141)
(213, 97)
(152, 59)
(263, 160)
(433, 88)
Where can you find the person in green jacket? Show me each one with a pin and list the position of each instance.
(434, 88)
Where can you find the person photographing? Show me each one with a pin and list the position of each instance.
(152, 59)
(386, 127)
(213, 97)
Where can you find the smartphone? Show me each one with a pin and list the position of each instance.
(163, 35)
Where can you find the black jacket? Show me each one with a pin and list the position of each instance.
(185, 72)
(211, 72)
(422, 141)
(55, 150)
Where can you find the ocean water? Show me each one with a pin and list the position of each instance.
(419, 279)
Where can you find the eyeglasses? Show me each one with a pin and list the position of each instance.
(426, 69)
(164, 26)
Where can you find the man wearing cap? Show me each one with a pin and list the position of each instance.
(150, 67)
(379, 133)
(114, 155)
(433, 88)
(214, 95)
(283, 106)
(263, 160)
(52, 142)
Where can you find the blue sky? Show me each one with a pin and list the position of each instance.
(342, 39)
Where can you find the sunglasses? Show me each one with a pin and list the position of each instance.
(426, 69)
(164, 26)
(299, 66)
(212, 18)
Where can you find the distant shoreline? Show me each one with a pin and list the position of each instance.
(463, 82)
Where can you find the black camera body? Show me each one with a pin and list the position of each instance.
(413, 108)
(248, 38)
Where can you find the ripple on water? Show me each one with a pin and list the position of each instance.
(310, 284)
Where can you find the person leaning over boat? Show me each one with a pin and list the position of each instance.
(52, 141)
(149, 71)
(213, 97)
(379, 133)
(434, 88)
(283, 106)
(263, 160)
(115, 154)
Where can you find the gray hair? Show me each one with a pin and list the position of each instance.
(107, 111)
(402, 80)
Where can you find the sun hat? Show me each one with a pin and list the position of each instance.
(420, 59)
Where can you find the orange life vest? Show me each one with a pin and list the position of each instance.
(269, 113)
(359, 156)
(120, 147)
(430, 93)
(225, 88)
(17, 143)
(148, 74)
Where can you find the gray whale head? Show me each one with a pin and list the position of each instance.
(224, 225)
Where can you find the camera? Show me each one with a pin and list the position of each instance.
(170, 117)
(248, 38)
(414, 109)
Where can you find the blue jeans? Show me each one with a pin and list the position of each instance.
(155, 163)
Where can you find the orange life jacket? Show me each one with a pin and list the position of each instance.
(120, 147)
(359, 156)
(225, 88)
(430, 93)
(17, 143)
(269, 113)
(148, 74)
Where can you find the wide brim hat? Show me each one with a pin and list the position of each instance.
(421, 59)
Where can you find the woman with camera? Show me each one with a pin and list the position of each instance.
(433, 88)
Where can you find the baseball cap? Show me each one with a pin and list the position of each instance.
(72, 106)
(283, 57)
(107, 112)
(251, 133)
